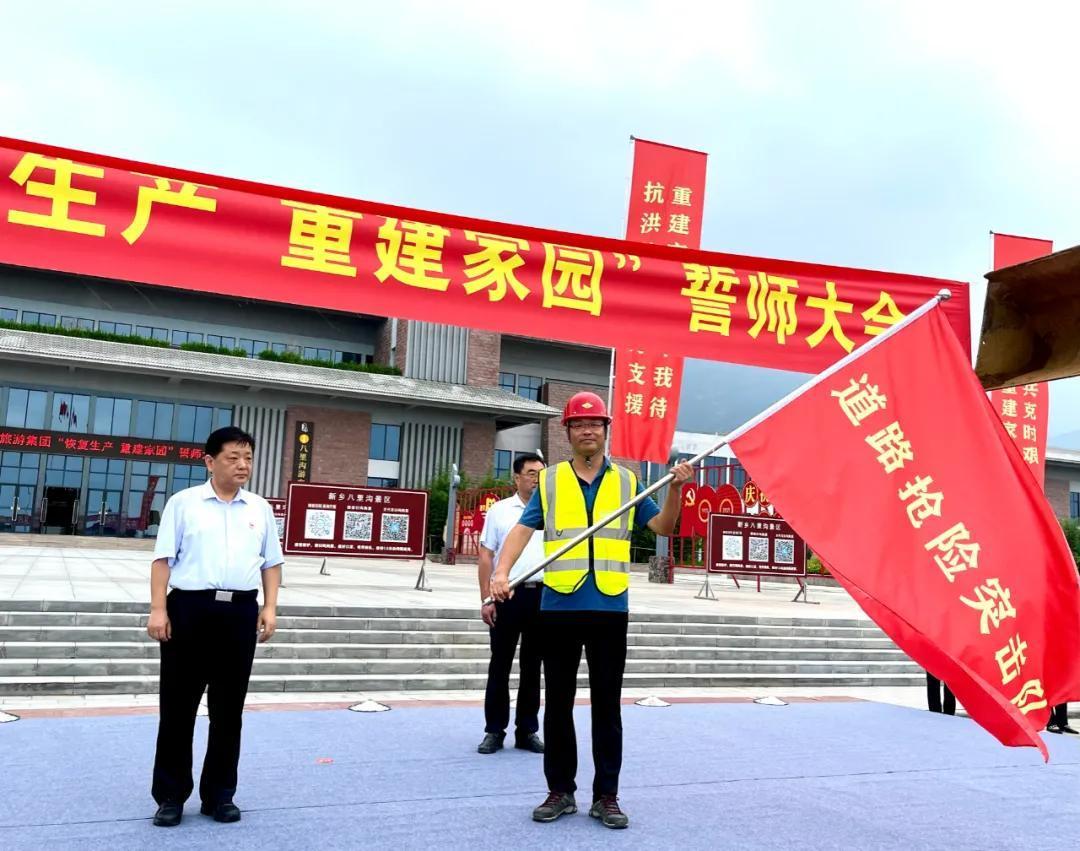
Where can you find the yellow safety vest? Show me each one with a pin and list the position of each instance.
(563, 505)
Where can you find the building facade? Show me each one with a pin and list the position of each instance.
(96, 434)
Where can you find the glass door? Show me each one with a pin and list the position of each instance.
(106, 487)
(18, 489)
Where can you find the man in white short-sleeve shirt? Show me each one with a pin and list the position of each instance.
(217, 543)
(515, 618)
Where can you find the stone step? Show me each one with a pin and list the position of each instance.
(81, 634)
(472, 625)
(261, 683)
(445, 667)
(284, 650)
(90, 607)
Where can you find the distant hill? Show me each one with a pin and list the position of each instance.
(1069, 440)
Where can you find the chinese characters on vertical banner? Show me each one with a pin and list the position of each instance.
(1024, 410)
(667, 199)
(644, 404)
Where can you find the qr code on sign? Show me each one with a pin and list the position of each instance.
(759, 549)
(319, 524)
(395, 528)
(784, 551)
(357, 526)
(732, 548)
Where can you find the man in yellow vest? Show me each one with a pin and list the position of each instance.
(585, 601)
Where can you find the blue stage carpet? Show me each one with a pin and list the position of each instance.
(808, 775)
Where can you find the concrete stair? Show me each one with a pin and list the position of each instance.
(102, 648)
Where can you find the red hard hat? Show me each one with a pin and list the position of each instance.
(585, 405)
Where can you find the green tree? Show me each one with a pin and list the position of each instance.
(1071, 528)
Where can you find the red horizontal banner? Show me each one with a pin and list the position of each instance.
(100, 446)
(101, 216)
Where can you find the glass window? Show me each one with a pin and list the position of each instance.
(153, 332)
(63, 471)
(529, 387)
(508, 381)
(194, 423)
(32, 317)
(379, 482)
(107, 474)
(76, 322)
(1074, 505)
(121, 328)
(277, 348)
(181, 337)
(223, 418)
(25, 408)
(187, 476)
(9, 315)
(144, 419)
(112, 416)
(163, 421)
(253, 347)
(153, 419)
(385, 442)
(311, 353)
(221, 342)
(70, 412)
(502, 463)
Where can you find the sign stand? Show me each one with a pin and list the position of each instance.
(421, 580)
(804, 592)
(322, 570)
(706, 591)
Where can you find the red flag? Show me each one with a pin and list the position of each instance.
(1024, 410)
(924, 513)
(645, 403)
(667, 200)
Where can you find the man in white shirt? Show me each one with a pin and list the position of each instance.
(216, 544)
(512, 619)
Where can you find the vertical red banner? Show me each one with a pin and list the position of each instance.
(1024, 410)
(645, 402)
(667, 201)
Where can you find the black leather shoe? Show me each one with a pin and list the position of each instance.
(529, 742)
(226, 812)
(1054, 728)
(168, 815)
(1065, 728)
(492, 742)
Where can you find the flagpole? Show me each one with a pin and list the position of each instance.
(843, 363)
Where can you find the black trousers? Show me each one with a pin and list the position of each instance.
(516, 618)
(211, 649)
(1060, 715)
(934, 688)
(602, 636)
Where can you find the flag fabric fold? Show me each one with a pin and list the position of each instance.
(927, 515)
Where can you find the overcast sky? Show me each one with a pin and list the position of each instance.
(888, 135)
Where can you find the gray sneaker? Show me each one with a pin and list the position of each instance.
(555, 805)
(606, 808)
